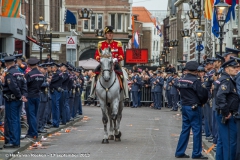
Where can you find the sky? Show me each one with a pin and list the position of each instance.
(152, 4)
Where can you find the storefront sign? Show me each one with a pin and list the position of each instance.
(137, 56)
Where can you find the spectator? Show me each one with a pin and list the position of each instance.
(49, 59)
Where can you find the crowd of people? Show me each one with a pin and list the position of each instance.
(49, 94)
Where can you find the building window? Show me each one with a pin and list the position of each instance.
(112, 20)
(153, 45)
(157, 46)
(119, 21)
(100, 21)
(96, 22)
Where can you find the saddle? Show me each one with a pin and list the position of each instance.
(120, 79)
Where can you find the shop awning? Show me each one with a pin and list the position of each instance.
(33, 40)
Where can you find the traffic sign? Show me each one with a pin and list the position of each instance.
(71, 42)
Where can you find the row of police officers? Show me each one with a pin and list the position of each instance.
(51, 94)
(211, 90)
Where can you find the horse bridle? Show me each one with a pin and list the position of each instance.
(107, 89)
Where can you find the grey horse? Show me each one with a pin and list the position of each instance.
(110, 97)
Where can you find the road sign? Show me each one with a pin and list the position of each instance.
(71, 42)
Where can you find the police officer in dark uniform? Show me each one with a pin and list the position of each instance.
(159, 82)
(227, 102)
(56, 92)
(152, 80)
(72, 92)
(48, 110)
(43, 106)
(168, 88)
(64, 105)
(193, 96)
(14, 93)
(35, 80)
(136, 84)
(174, 92)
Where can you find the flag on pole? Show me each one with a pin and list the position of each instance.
(159, 31)
(231, 10)
(209, 9)
(215, 25)
(136, 43)
(11, 8)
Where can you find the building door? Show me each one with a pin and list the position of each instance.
(87, 54)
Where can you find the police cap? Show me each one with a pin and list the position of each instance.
(43, 65)
(155, 73)
(18, 56)
(63, 64)
(219, 57)
(33, 61)
(55, 64)
(9, 59)
(230, 63)
(49, 64)
(231, 51)
(191, 66)
(201, 69)
(108, 29)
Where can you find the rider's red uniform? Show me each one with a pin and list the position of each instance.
(116, 49)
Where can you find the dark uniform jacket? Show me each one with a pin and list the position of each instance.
(227, 98)
(15, 84)
(66, 80)
(56, 82)
(34, 82)
(191, 91)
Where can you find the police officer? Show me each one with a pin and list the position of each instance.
(56, 92)
(207, 110)
(158, 91)
(168, 88)
(152, 80)
(193, 96)
(64, 105)
(72, 91)
(230, 52)
(34, 82)
(227, 102)
(174, 92)
(136, 84)
(77, 100)
(43, 100)
(14, 93)
(48, 110)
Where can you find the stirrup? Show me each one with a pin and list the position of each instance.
(90, 98)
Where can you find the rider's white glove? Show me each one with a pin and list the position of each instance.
(115, 60)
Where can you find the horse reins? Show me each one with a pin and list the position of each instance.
(107, 89)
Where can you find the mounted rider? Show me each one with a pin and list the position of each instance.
(117, 55)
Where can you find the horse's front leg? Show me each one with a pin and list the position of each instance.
(105, 121)
(110, 137)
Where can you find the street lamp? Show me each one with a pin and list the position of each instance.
(40, 29)
(199, 35)
(85, 13)
(185, 33)
(99, 33)
(221, 10)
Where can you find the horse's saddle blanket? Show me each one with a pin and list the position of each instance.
(120, 81)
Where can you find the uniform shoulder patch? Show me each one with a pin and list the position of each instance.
(119, 44)
(100, 44)
(227, 79)
(223, 87)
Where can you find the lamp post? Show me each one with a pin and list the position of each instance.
(40, 30)
(85, 13)
(199, 35)
(185, 33)
(221, 10)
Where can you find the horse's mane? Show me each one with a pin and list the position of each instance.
(106, 53)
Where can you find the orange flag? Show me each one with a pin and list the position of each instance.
(11, 8)
(209, 9)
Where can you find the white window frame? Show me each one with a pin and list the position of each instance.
(123, 21)
(96, 23)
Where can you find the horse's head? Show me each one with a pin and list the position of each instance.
(106, 63)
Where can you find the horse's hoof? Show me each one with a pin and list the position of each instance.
(111, 137)
(105, 141)
(117, 139)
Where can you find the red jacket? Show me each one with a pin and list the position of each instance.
(116, 49)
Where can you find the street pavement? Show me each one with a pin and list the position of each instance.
(147, 134)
